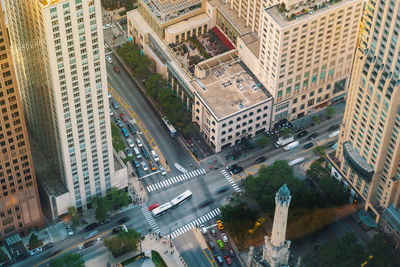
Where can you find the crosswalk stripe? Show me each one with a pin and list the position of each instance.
(196, 172)
(174, 180)
(167, 182)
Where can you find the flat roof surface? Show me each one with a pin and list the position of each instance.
(188, 24)
(283, 22)
(234, 19)
(229, 86)
(252, 42)
(165, 10)
(138, 19)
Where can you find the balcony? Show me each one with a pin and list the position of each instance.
(357, 163)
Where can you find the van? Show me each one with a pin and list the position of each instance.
(92, 234)
(155, 157)
(291, 146)
(137, 153)
(296, 161)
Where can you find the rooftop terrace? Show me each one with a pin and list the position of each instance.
(227, 86)
(165, 10)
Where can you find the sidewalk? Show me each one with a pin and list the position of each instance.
(163, 246)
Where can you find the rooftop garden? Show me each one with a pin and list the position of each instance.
(308, 7)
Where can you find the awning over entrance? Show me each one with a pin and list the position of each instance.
(223, 38)
(367, 219)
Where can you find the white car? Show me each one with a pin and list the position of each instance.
(111, 113)
(203, 229)
(128, 152)
(108, 25)
(163, 172)
(139, 143)
(109, 95)
(224, 237)
(109, 59)
(130, 142)
(144, 166)
(69, 230)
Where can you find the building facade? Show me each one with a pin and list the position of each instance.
(19, 198)
(368, 150)
(305, 55)
(59, 54)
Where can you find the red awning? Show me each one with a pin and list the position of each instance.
(223, 38)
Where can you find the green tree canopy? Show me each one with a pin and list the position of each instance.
(123, 243)
(335, 191)
(129, 5)
(330, 111)
(74, 215)
(316, 171)
(382, 252)
(67, 260)
(316, 119)
(34, 241)
(239, 218)
(320, 151)
(117, 142)
(262, 141)
(118, 198)
(103, 206)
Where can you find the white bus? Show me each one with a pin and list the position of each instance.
(169, 127)
(181, 198)
(161, 209)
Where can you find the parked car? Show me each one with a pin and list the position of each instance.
(69, 229)
(131, 128)
(145, 154)
(237, 170)
(115, 104)
(136, 163)
(91, 226)
(35, 251)
(231, 252)
(128, 152)
(111, 112)
(222, 189)
(219, 259)
(162, 170)
(144, 166)
(308, 145)
(213, 232)
(301, 134)
(109, 59)
(106, 26)
(138, 142)
(152, 207)
(211, 244)
(224, 237)
(117, 70)
(152, 166)
(140, 172)
(219, 224)
(119, 123)
(228, 260)
(260, 159)
(123, 117)
(220, 244)
(312, 136)
(124, 132)
(130, 142)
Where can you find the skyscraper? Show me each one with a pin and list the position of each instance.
(368, 148)
(19, 199)
(59, 55)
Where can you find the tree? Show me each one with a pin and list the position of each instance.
(103, 206)
(129, 5)
(117, 142)
(316, 171)
(316, 119)
(382, 252)
(70, 259)
(74, 215)
(285, 132)
(118, 198)
(262, 141)
(319, 151)
(123, 243)
(239, 218)
(34, 241)
(330, 111)
(345, 252)
(335, 191)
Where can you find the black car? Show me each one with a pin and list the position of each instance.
(333, 127)
(260, 159)
(302, 133)
(119, 229)
(312, 136)
(237, 170)
(232, 167)
(206, 203)
(144, 152)
(91, 226)
(308, 145)
(331, 143)
(131, 128)
(123, 220)
(222, 189)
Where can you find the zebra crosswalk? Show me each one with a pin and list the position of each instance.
(231, 181)
(149, 218)
(205, 217)
(115, 30)
(175, 179)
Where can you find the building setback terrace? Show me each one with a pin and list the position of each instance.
(357, 163)
(165, 10)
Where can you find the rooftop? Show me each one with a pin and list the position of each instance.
(230, 15)
(165, 10)
(304, 11)
(47, 3)
(227, 86)
(252, 43)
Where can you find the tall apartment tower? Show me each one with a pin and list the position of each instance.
(368, 153)
(19, 199)
(59, 54)
(276, 250)
(306, 53)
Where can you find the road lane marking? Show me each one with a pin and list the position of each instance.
(174, 180)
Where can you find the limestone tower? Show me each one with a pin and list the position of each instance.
(276, 249)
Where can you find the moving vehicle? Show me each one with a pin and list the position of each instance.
(260, 159)
(90, 243)
(144, 166)
(219, 259)
(284, 140)
(169, 127)
(128, 152)
(136, 163)
(291, 146)
(123, 220)
(137, 153)
(152, 166)
(92, 234)
(115, 104)
(235, 169)
(296, 161)
(152, 207)
(219, 224)
(162, 170)
(124, 132)
(118, 229)
(123, 117)
(312, 136)
(224, 237)
(161, 209)
(333, 127)
(228, 260)
(308, 145)
(119, 123)
(91, 226)
(138, 142)
(181, 198)
(145, 154)
(130, 142)
(155, 156)
(222, 189)
(220, 244)
(334, 134)
(131, 128)
(212, 230)
(203, 229)
(69, 229)
(302, 133)
(206, 202)
(108, 25)
(109, 59)
(117, 70)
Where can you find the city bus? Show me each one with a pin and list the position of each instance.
(169, 127)
(161, 209)
(181, 198)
